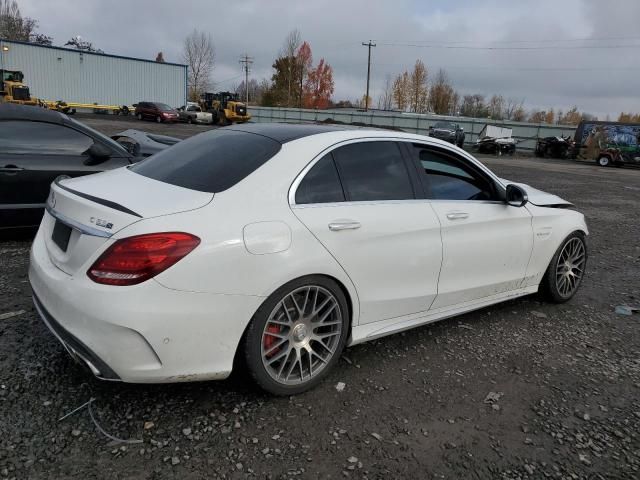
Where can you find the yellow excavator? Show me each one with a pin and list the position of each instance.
(225, 107)
(12, 90)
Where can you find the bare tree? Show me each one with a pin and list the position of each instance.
(512, 107)
(13, 26)
(199, 55)
(496, 107)
(385, 102)
(289, 50)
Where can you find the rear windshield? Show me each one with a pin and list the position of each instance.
(445, 125)
(210, 162)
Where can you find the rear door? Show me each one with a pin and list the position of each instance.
(33, 155)
(360, 202)
(486, 242)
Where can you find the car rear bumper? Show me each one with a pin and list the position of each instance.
(143, 334)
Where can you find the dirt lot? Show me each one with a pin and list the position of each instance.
(565, 382)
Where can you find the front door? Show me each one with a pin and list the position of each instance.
(487, 244)
(360, 203)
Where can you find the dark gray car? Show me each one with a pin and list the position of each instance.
(448, 131)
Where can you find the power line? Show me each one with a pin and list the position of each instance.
(554, 47)
(366, 98)
(246, 60)
(546, 40)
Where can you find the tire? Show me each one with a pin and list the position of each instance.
(279, 364)
(189, 120)
(140, 116)
(552, 287)
(158, 120)
(603, 161)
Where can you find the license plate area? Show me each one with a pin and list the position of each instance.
(61, 234)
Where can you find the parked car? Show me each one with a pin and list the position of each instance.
(39, 145)
(280, 245)
(448, 131)
(495, 140)
(192, 113)
(159, 112)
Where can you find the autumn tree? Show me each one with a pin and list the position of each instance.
(571, 117)
(550, 116)
(442, 97)
(400, 91)
(304, 63)
(537, 116)
(198, 54)
(418, 90)
(319, 86)
(629, 117)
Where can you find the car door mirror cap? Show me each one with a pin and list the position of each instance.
(98, 153)
(516, 196)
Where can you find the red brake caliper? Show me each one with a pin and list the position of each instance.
(269, 340)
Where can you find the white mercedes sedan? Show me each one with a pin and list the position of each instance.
(278, 245)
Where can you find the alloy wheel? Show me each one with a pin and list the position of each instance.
(570, 267)
(301, 335)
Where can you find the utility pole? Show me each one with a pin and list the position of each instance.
(366, 98)
(246, 60)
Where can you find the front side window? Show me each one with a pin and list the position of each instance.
(450, 178)
(20, 137)
(210, 162)
(321, 184)
(373, 171)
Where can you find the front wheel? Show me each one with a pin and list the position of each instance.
(139, 116)
(158, 120)
(297, 335)
(564, 273)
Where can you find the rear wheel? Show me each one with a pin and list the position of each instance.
(565, 272)
(158, 119)
(189, 120)
(603, 161)
(297, 335)
(139, 116)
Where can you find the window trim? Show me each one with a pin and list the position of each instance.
(43, 153)
(472, 165)
(415, 183)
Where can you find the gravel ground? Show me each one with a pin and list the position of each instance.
(520, 390)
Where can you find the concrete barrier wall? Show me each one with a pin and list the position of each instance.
(525, 133)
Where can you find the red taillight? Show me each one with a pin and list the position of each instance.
(135, 259)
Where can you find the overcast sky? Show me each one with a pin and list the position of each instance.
(550, 68)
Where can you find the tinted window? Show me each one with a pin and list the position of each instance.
(24, 137)
(321, 184)
(373, 171)
(163, 107)
(209, 162)
(451, 179)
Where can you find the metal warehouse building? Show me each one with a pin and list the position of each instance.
(56, 73)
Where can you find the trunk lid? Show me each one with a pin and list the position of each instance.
(84, 213)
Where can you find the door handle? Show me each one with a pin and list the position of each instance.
(11, 169)
(457, 215)
(338, 225)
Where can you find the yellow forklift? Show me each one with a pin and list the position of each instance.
(225, 108)
(12, 90)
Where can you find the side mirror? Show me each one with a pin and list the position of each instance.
(516, 196)
(98, 153)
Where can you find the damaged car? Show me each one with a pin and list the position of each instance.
(279, 245)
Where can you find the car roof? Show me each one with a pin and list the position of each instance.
(10, 111)
(287, 132)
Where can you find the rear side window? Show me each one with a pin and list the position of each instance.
(210, 162)
(373, 171)
(39, 138)
(321, 184)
